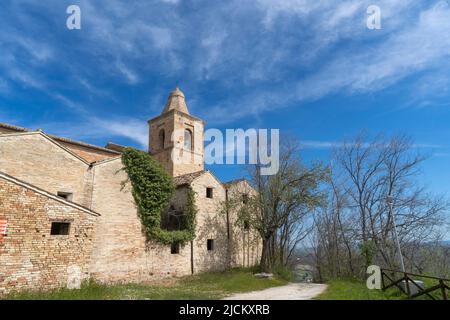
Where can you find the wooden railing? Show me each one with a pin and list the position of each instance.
(388, 280)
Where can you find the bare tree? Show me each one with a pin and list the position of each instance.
(358, 223)
(282, 203)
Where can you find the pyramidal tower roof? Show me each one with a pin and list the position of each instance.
(176, 101)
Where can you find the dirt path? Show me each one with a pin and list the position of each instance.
(292, 291)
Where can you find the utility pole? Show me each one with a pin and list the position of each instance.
(390, 202)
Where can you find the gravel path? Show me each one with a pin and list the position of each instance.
(292, 291)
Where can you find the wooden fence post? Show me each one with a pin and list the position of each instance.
(408, 290)
(443, 288)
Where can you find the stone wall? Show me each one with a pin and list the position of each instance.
(245, 247)
(31, 258)
(185, 161)
(37, 160)
(211, 224)
(121, 252)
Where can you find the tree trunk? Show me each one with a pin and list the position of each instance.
(266, 265)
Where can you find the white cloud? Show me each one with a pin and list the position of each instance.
(4, 87)
(26, 77)
(419, 45)
(416, 48)
(171, 1)
(162, 37)
(212, 44)
(130, 34)
(37, 49)
(133, 129)
(260, 56)
(311, 144)
(441, 154)
(130, 75)
(317, 144)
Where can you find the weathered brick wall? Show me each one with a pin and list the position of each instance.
(245, 247)
(121, 252)
(162, 155)
(31, 258)
(211, 224)
(36, 160)
(185, 161)
(171, 122)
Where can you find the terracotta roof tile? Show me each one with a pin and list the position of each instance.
(61, 139)
(187, 178)
(14, 128)
(230, 183)
(115, 147)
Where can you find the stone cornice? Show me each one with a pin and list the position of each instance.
(169, 113)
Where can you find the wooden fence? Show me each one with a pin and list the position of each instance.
(411, 287)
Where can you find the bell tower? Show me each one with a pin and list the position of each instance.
(176, 137)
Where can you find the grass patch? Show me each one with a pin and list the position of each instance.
(354, 289)
(206, 286)
(283, 272)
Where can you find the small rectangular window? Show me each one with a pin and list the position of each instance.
(210, 244)
(245, 198)
(60, 228)
(65, 195)
(175, 248)
(209, 193)
(246, 225)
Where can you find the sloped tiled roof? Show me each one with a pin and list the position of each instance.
(61, 139)
(83, 144)
(176, 101)
(230, 183)
(13, 128)
(187, 178)
(115, 147)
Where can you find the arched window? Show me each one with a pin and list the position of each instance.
(188, 140)
(162, 139)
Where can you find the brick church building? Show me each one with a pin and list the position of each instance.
(66, 214)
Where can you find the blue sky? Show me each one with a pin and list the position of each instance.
(308, 67)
